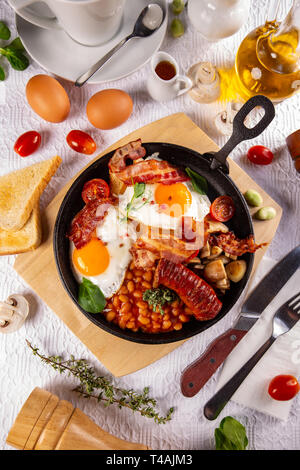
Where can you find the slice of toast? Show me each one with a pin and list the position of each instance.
(20, 191)
(26, 239)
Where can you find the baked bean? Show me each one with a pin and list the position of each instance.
(184, 318)
(110, 316)
(129, 275)
(175, 312)
(166, 324)
(137, 294)
(143, 320)
(188, 311)
(130, 324)
(177, 326)
(116, 301)
(123, 298)
(147, 285)
(148, 276)
(123, 290)
(142, 304)
(130, 287)
(175, 304)
(125, 307)
(138, 279)
(138, 272)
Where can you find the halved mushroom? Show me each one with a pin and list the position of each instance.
(215, 251)
(215, 271)
(223, 284)
(205, 251)
(215, 226)
(13, 313)
(236, 270)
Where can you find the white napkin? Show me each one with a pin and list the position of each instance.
(282, 358)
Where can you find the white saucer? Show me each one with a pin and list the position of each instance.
(56, 52)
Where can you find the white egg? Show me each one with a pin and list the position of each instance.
(115, 235)
(144, 209)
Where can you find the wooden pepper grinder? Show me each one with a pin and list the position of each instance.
(293, 143)
(47, 423)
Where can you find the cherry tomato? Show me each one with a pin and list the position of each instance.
(260, 155)
(283, 387)
(222, 209)
(95, 189)
(27, 143)
(81, 142)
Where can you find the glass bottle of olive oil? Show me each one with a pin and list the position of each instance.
(268, 59)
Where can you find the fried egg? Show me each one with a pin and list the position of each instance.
(164, 205)
(105, 258)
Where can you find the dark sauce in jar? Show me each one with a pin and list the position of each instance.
(165, 70)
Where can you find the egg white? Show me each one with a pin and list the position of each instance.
(147, 213)
(118, 237)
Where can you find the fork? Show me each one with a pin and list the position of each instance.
(284, 319)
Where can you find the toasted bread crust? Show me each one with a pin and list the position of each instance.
(26, 239)
(21, 190)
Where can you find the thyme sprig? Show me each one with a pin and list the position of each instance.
(101, 388)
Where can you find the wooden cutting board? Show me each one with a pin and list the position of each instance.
(38, 268)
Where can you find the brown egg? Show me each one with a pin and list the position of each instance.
(48, 98)
(109, 108)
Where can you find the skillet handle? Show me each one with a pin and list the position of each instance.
(242, 132)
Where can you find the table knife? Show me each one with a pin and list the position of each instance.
(195, 376)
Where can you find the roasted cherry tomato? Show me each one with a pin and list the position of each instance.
(260, 155)
(27, 143)
(95, 189)
(222, 208)
(283, 387)
(81, 142)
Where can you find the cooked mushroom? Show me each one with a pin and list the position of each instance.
(206, 82)
(215, 226)
(215, 251)
(215, 271)
(236, 270)
(223, 258)
(223, 284)
(13, 313)
(205, 251)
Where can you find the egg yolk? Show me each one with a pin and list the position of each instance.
(92, 259)
(174, 199)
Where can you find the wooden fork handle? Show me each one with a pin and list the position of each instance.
(195, 376)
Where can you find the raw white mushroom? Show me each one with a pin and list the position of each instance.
(206, 82)
(224, 120)
(13, 313)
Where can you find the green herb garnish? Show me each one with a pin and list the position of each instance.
(159, 296)
(14, 52)
(199, 183)
(4, 31)
(138, 191)
(90, 297)
(91, 385)
(230, 435)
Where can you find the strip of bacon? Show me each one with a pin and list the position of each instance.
(86, 221)
(145, 171)
(199, 296)
(131, 151)
(233, 245)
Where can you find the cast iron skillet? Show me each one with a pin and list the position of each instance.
(215, 169)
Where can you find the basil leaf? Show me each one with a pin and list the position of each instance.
(90, 297)
(199, 182)
(139, 189)
(231, 435)
(4, 31)
(2, 74)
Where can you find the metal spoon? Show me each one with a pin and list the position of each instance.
(149, 20)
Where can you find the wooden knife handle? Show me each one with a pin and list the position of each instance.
(199, 372)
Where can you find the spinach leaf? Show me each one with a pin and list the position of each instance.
(17, 60)
(138, 191)
(4, 31)
(90, 297)
(2, 74)
(199, 182)
(15, 45)
(231, 435)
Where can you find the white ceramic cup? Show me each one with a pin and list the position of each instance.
(165, 90)
(89, 22)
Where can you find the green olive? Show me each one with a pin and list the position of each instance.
(265, 213)
(177, 28)
(177, 6)
(253, 198)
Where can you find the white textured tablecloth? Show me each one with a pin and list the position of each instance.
(20, 372)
